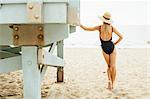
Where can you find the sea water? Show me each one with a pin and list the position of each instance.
(131, 18)
(134, 36)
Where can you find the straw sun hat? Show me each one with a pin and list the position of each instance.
(106, 18)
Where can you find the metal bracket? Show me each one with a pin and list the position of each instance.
(34, 12)
(28, 34)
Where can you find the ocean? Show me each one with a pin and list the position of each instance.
(134, 36)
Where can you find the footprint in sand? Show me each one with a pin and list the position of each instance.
(116, 97)
(120, 93)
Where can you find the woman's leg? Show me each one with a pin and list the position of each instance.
(113, 66)
(107, 59)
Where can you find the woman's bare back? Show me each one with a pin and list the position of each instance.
(105, 32)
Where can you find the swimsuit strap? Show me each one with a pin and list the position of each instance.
(112, 29)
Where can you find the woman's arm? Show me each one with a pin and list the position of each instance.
(119, 34)
(89, 28)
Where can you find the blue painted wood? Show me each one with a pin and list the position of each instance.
(72, 29)
(25, 1)
(31, 73)
(45, 67)
(10, 64)
(55, 13)
(55, 32)
(6, 37)
(52, 60)
(10, 49)
(74, 12)
(6, 54)
(52, 13)
(59, 11)
(60, 49)
(60, 70)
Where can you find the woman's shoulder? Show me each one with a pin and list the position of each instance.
(113, 27)
(98, 27)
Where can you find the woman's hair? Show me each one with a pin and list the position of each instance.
(107, 27)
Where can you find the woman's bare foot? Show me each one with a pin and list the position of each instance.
(110, 86)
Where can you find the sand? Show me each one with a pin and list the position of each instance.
(86, 78)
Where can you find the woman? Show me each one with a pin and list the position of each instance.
(108, 47)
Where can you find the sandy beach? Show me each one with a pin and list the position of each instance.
(86, 77)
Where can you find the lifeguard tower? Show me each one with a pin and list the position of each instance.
(26, 27)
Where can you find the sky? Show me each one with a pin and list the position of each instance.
(131, 18)
(124, 12)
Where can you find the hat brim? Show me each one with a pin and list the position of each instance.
(104, 20)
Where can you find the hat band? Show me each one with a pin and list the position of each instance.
(106, 18)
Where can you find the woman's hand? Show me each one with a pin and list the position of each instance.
(120, 38)
(81, 26)
(119, 35)
(115, 43)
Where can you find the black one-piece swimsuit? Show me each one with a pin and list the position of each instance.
(107, 46)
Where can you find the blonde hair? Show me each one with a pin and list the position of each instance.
(107, 28)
